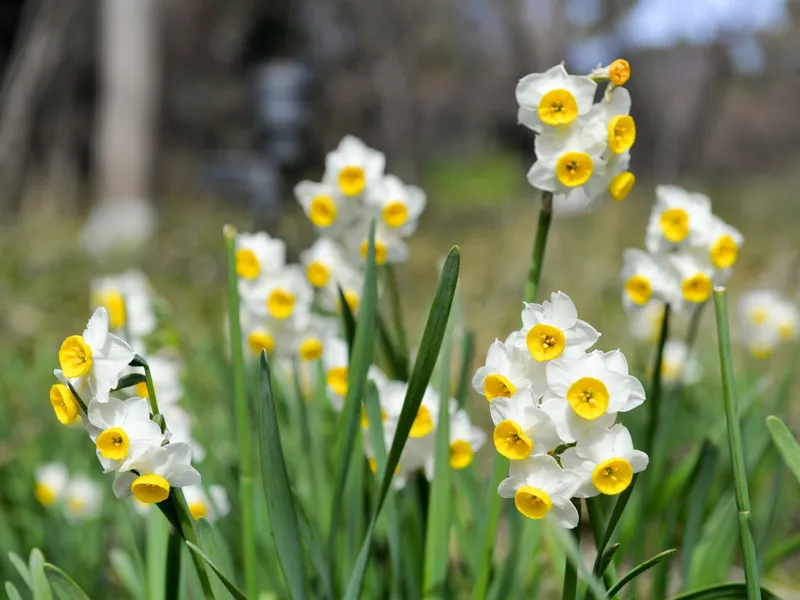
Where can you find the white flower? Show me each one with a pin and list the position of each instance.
(310, 333)
(63, 400)
(695, 279)
(128, 299)
(83, 498)
(167, 384)
(280, 295)
(159, 470)
(335, 361)
(94, 360)
(521, 427)
(325, 207)
(323, 262)
(389, 245)
(179, 430)
(722, 243)
(618, 182)
(392, 395)
(605, 461)
(399, 206)
(766, 319)
(122, 431)
(51, 479)
(571, 158)
(645, 323)
(542, 490)
(257, 255)
(678, 216)
(508, 368)
(211, 506)
(786, 317)
(353, 166)
(615, 115)
(586, 393)
(678, 365)
(644, 278)
(553, 98)
(465, 441)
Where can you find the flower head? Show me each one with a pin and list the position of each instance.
(122, 431)
(51, 480)
(83, 498)
(156, 473)
(521, 428)
(211, 505)
(509, 367)
(353, 167)
(553, 98)
(678, 219)
(257, 255)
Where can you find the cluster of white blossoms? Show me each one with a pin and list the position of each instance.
(689, 250)
(767, 318)
(78, 496)
(554, 405)
(582, 147)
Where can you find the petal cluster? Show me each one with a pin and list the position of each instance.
(766, 319)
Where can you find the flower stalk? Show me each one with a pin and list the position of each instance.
(537, 258)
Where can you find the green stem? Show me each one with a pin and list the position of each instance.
(242, 419)
(735, 444)
(397, 313)
(597, 520)
(537, 258)
(188, 533)
(570, 588)
(499, 470)
(655, 388)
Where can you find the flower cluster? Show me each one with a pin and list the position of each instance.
(554, 404)
(78, 495)
(689, 249)
(767, 319)
(582, 147)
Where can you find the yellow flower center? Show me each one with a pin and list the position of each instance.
(511, 441)
(759, 316)
(260, 340)
(114, 303)
(351, 297)
(496, 385)
(461, 454)
(395, 214)
(670, 370)
(380, 251)
(545, 342)
(310, 349)
(64, 403)
(621, 133)
(113, 443)
(198, 509)
(373, 465)
(247, 265)
(44, 494)
(150, 488)
(760, 351)
(786, 330)
(318, 274)
(588, 397)
(337, 380)
(141, 390)
(280, 303)
(724, 252)
(574, 168)
(638, 289)
(674, 224)
(621, 185)
(612, 476)
(423, 423)
(352, 180)
(75, 357)
(77, 505)
(558, 107)
(323, 211)
(532, 502)
(696, 288)
(365, 418)
(619, 71)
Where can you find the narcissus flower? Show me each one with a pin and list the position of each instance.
(722, 242)
(542, 490)
(508, 368)
(64, 403)
(51, 480)
(323, 261)
(324, 205)
(646, 278)
(615, 114)
(645, 323)
(128, 299)
(258, 254)
(678, 217)
(398, 206)
(618, 72)
(389, 246)
(335, 362)
(553, 98)
(211, 505)
(122, 431)
(280, 295)
(767, 319)
(522, 428)
(353, 167)
(310, 333)
(83, 498)
(605, 461)
(95, 359)
(586, 393)
(156, 472)
(166, 372)
(678, 364)
(465, 441)
(695, 277)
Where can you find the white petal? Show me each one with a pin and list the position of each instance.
(583, 335)
(561, 373)
(563, 513)
(639, 461)
(97, 329)
(508, 487)
(122, 484)
(562, 313)
(541, 177)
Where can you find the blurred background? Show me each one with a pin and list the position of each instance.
(131, 130)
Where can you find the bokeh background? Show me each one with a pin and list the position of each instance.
(131, 131)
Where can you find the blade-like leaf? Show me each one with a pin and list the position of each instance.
(786, 444)
(129, 380)
(312, 540)
(126, 571)
(348, 319)
(397, 364)
(724, 591)
(63, 585)
(232, 589)
(638, 570)
(39, 585)
(12, 592)
(567, 541)
(465, 373)
(420, 377)
(489, 529)
(213, 545)
(697, 500)
(616, 514)
(156, 550)
(278, 493)
(22, 568)
(173, 580)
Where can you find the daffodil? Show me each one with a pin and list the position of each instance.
(258, 254)
(167, 384)
(617, 72)
(393, 397)
(677, 220)
(325, 207)
(179, 430)
(211, 505)
(767, 319)
(677, 364)
(521, 428)
(722, 243)
(508, 368)
(586, 393)
(398, 206)
(122, 431)
(553, 98)
(646, 279)
(542, 490)
(63, 401)
(335, 362)
(95, 359)
(645, 322)
(279, 296)
(128, 299)
(51, 480)
(323, 261)
(465, 440)
(83, 498)
(156, 472)
(695, 278)
(389, 245)
(353, 167)
(606, 462)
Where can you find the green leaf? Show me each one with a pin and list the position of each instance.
(465, 369)
(781, 550)
(348, 319)
(397, 364)
(566, 539)
(616, 514)
(215, 548)
(638, 570)
(724, 591)
(232, 589)
(156, 549)
(40, 587)
(606, 559)
(126, 571)
(12, 592)
(489, 530)
(130, 380)
(278, 493)
(786, 444)
(173, 581)
(63, 585)
(696, 501)
(420, 377)
(312, 540)
(22, 568)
